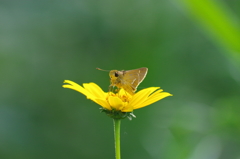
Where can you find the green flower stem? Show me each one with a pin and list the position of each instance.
(117, 123)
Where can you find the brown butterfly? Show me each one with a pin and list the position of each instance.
(128, 80)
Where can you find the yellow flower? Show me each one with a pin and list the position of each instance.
(121, 101)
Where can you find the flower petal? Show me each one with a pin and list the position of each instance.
(115, 102)
(156, 93)
(103, 103)
(142, 95)
(127, 108)
(94, 89)
(76, 87)
(122, 92)
(151, 100)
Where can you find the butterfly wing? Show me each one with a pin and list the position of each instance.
(132, 78)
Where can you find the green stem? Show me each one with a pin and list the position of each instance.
(117, 123)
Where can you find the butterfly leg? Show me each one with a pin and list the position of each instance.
(113, 89)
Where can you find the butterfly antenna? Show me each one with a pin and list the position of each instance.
(102, 69)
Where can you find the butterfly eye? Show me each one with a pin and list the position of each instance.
(116, 74)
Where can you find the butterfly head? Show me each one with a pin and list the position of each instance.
(115, 76)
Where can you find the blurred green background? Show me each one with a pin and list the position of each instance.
(192, 50)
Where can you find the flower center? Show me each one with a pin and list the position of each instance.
(124, 98)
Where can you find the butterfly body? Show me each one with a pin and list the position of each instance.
(128, 80)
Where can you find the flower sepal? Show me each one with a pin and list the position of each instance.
(116, 114)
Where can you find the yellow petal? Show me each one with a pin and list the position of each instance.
(76, 87)
(103, 103)
(127, 108)
(151, 100)
(70, 82)
(94, 89)
(115, 102)
(156, 93)
(142, 95)
(122, 92)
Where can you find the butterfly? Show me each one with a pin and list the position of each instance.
(127, 80)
